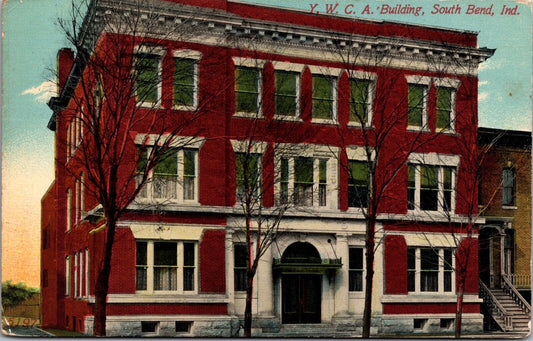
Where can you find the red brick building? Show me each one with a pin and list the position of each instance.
(176, 266)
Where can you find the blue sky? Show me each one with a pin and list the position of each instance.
(30, 40)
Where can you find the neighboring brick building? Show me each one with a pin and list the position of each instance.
(176, 268)
(505, 203)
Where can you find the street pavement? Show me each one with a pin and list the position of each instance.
(25, 332)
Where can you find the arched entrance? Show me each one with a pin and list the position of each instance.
(301, 286)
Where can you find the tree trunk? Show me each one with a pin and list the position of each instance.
(102, 283)
(248, 308)
(369, 278)
(459, 314)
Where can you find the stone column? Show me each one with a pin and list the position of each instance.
(230, 286)
(341, 279)
(265, 285)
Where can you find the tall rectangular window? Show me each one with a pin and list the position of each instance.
(189, 265)
(69, 209)
(165, 266)
(240, 266)
(303, 181)
(246, 90)
(184, 82)
(416, 105)
(509, 187)
(247, 174)
(355, 280)
(189, 174)
(67, 275)
(322, 181)
(429, 270)
(141, 266)
(165, 175)
(286, 93)
(429, 188)
(411, 269)
(147, 73)
(360, 101)
(358, 184)
(323, 100)
(444, 108)
(284, 181)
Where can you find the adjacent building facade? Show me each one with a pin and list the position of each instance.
(505, 202)
(177, 265)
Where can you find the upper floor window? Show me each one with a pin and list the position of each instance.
(240, 266)
(431, 182)
(247, 175)
(247, 90)
(430, 187)
(306, 179)
(166, 266)
(417, 105)
(508, 186)
(69, 209)
(286, 93)
(323, 97)
(358, 184)
(355, 279)
(430, 270)
(445, 112)
(147, 68)
(173, 177)
(186, 79)
(361, 100)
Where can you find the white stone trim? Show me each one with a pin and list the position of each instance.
(249, 62)
(435, 159)
(241, 146)
(453, 83)
(416, 79)
(286, 66)
(415, 299)
(188, 54)
(192, 142)
(359, 153)
(326, 71)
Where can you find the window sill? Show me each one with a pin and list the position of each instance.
(450, 132)
(509, 207)
(145, 297)
(185, 108)
(149, 105)
(288, 118)
(248, 115)
(417, 129)
(359, 125)
(323, 121)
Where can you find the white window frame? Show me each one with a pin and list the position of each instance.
(87, 272)
(156, 51)
(196, 57)
(317, 153)
(68, 270)
(334, 75)
(257, 147)
(180, 143)
(295, 68)
(179, 268)
(426, 83)
(69, 209)
(358, 153)
(259, 65)
(453, 85)
(76, 269)
(372, 79)
(440, 161)
(363, 284)
(418, 271)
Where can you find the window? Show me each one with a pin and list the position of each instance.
(358, 184)
(75, 274)
(303, 181)
(417, 111)
(323, 97)
(240, 266)
(247, 90)
(430, 188)
(173, 177)
(509, 186)
(445, 105)
(247, 172)
(166, 266)
(430, 270)
(355, 280)
(67, 275)
(87, 272)
(69, 209)
(149, 327)
(185, 83)
(148, 77)
(182, 326)
(360, 101)
(286, 93)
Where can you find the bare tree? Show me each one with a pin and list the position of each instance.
(118, 86)
(378, 114)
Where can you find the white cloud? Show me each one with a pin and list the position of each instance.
(482, 96)
(483, 83)
(42, 92)
(489, 64)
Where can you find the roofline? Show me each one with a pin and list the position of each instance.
(357, 18)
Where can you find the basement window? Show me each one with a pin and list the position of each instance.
(183, 326)
(149, 327)
(447, 323)
(419, 323)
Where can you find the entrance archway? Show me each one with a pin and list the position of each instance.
(301, 287)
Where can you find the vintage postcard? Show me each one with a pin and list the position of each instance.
(265, 168)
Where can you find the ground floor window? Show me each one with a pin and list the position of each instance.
(166, 266)
(355, 278)
(430, 270)
(240, 266)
